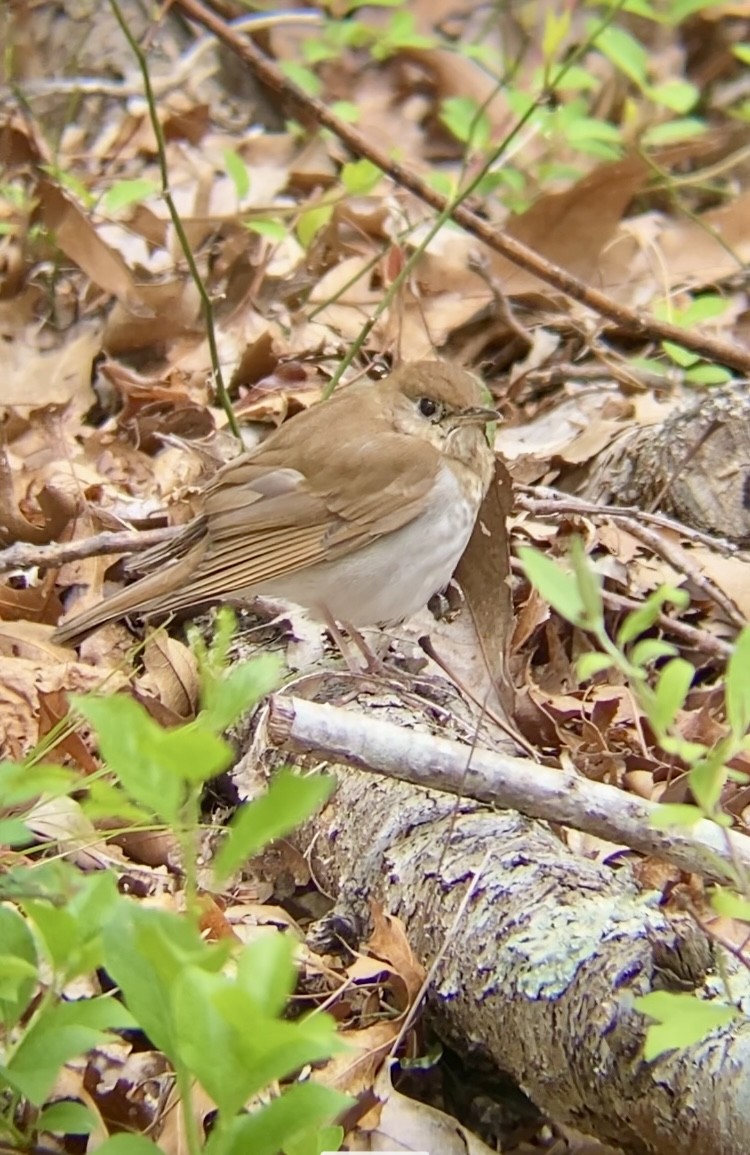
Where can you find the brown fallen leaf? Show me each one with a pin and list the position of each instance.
(77, 237)
(388, 941)
(571, 228)
(53, 708)
(484, 576)
(171, 674)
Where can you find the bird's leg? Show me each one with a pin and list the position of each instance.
(373, 664)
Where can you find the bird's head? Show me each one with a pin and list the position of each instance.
(441, 404)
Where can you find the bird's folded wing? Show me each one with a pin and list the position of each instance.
(264, 523)
(370, 483)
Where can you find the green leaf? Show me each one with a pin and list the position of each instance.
(730, 905)
(128, 1145)
(154, 765)
(650, 365)
(680, 10)
(707, 779)
(63, 1031)
(556, 585)
(677, 95)
(679, 355)
(470, 124)
(303, 77)
(346, 110)
(72, 183)
(737, 686)
(311, 222)
(128, 192)
(401, 33)
(265, 227)
(18, 966)
(20, 783)
(625, 52)
(441, 182)
(228, 693)
(675, 814)
(265, 970)
(703, 308)
(318, 1140)
(106, 799)
(675, 680)
(742, 52)
(705, 374)
(237, 171)
(683, 1019)
(360, 177)
(650, 650)
(209, 1013)
(641, 8)
(316, 52)
(589, 584)
(14, 832)
(288, 801)
(72, 933)
(576, 79)
(226, 1036)
(580, 129)
(556, 29)
(145, 953)
(288, 1123)
(66, 1118)
(642, 619)
(588, 665)
(673, 132)
(688, 751)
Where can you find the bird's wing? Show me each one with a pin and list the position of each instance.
(262, 520)
(263, 523)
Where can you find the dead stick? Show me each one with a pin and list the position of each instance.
(500, 780)
(542, 500)
(630, 320)
(58, 553)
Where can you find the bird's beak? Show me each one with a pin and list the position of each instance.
(476, 415)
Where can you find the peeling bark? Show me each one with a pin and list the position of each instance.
(540, 973)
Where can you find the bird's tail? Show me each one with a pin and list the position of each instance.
(150, 595)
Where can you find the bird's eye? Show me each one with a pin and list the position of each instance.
(427, 407)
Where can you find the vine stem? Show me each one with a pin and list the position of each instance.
(161, 149)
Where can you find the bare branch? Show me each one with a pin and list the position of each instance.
(507, 782)
(22, 554)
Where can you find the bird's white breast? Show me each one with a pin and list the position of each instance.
(395, 576)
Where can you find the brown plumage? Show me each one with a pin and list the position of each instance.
(359, 509)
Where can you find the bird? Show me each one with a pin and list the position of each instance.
(357, 509)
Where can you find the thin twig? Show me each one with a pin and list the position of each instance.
(629, 319)
(23, 555)
(541, 500)
(671, 552)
